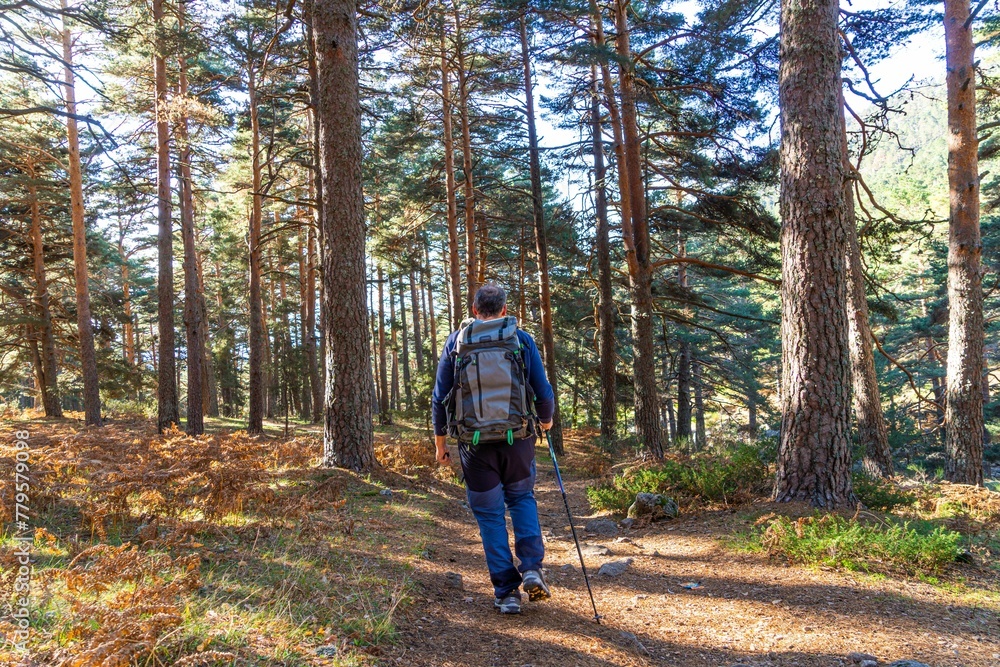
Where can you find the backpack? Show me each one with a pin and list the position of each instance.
(491, 400)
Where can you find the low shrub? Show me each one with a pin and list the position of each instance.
(737, 474)
(852, 544)
(880, 494)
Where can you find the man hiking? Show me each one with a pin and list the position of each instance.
(490, 394)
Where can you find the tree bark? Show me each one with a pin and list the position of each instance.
(418, 343)
(541, 241)
(383, 356)
(348, 440)
(407, 388)
(647, 417)
(605, 306)
(193, 314)
(454, 267)
(88, 359)
(48, 383)
(431, 319)
(469, 191)
(964, 398)
(258, 337)
(699, 405)
(684, 393)
(873, 435)
(814, 457)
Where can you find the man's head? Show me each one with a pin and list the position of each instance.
(490, 302)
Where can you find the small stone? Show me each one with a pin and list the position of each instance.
(454, 580)
(653, 505)
(908, 663)
(615, 568)
(467, 600)
(869, 663)
(567, 569)
(631, 638)
(623, 540)
(327, 651)
(595, 550)
(602, 527)
(858, 657)
(627, 523)
(386, 492)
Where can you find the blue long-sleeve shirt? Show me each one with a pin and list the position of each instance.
(544, 398)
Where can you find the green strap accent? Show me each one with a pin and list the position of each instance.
(510, 436)
(475, 438)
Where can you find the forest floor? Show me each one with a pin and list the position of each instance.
(283, 563)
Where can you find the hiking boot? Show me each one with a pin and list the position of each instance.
(508, 604)
(534, 585)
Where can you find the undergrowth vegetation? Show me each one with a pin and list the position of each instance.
(173, 550)
(858, 544)
(733, 474)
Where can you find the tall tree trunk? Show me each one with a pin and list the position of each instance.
(348, 439)
(128, 329)
(684, 392)
(541, 242)
(606, 306)
(193, 315)
(964, 398)
(647, 417)
(47, 357)
(872, 432)
(407, 388)
(418, 343)
(471, 233)
(394, 400)
(431, 319)
(305, 333)
(258, 338)
(814, 458)
(454, 267)
(310, 326)
(88, 359)
(699, 405)
(383, 357)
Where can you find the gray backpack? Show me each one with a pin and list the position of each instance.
(491, 401)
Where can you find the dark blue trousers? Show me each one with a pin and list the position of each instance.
(500, 478)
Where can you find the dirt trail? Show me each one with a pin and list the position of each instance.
(747, 610)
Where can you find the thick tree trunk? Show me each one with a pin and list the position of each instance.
(471, 233)
(193, 315)
(872, 432)
(964, 398)
(310, 325)
(348, 439)
(605, 306)
(647, 417)
(258, 338)
(814, 458)
(88, 359)
(541, 241)
(47, 357)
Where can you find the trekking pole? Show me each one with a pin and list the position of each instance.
(562, 490)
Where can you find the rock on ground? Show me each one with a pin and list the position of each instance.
(454, 580)
(615, 567)
(595, 550)
(908, 663)
(601, 527)
(653, 505)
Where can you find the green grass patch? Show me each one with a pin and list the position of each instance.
(913, 548)
(736, 474)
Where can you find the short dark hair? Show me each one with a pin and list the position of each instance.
(490, 300)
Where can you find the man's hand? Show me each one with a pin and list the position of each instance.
(443, 456)
(545, 425)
